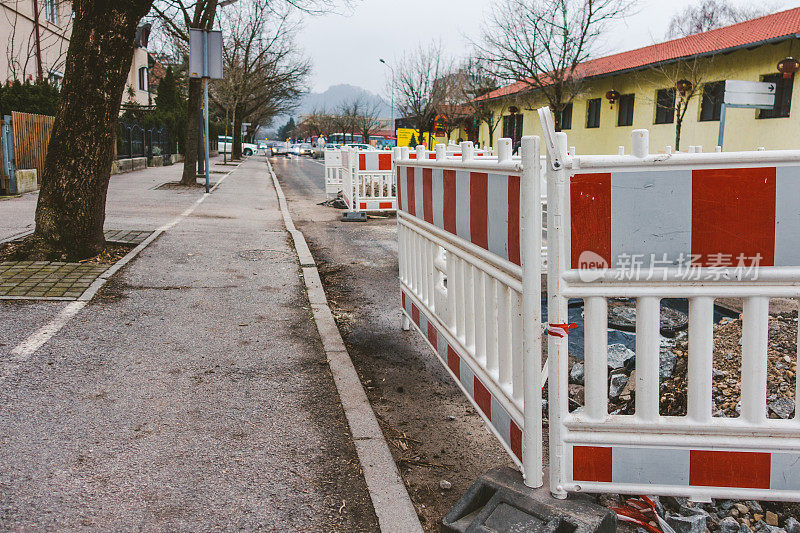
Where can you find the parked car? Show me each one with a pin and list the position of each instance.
(226, 143)
(305, 149)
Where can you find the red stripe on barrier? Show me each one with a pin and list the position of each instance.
(591, 463)
(399, 188)
(747, 470)
(404, 299)
(415, 314)
(449, 203)
(362, 161)
(384, 161)
(478, 210)
(515, 436)
(432, 334)
(513, 220)
(385, 205)
(363, 205)
(427, 194)
(733, 215)
(482, 397)
(454, 362)
(590, 207)
(410, 198)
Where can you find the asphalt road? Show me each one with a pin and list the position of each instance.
(433, 431)
(191, 394)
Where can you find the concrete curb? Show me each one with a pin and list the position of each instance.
(390, 499)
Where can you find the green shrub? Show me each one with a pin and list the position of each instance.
(40, 98)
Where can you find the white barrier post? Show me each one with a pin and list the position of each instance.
(504, 150)
(640, 143)
(531, 246)
(441, 151)
(466, 151)
(558, 347)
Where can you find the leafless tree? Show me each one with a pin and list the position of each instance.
(542, 43)
(479, 81)
(177, 16)
(684, 80)
(710, 14)
(265, 71)
(422, 83)
(367, 119)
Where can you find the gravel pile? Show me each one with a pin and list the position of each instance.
(725, 516)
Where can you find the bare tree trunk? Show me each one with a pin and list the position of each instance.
(71, 208)
(192, 132)
(236, 151)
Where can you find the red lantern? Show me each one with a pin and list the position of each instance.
(788, 66)
(683, 87)
(612, 96)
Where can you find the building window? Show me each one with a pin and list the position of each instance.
(711, 104)
(625, 113)
(142, 78)
(512, 129)
(51, 11)
(593, 113)
(566, 117)
(783, 96)
(665, 106)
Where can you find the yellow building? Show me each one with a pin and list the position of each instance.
(645, 79)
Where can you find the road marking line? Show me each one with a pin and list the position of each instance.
(390, 499)
(25, 350)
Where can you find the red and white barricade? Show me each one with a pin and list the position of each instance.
(469, 233)
(368, 180)
(333, 172)
(702, 226)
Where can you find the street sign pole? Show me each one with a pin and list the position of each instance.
(205, 62)
(205, 99)
(745, 95)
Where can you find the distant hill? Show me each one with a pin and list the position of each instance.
(337, 95)
(331, 99)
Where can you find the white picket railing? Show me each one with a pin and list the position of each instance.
(469, 232)
(333, 172)
(368, 180)
(671, 208)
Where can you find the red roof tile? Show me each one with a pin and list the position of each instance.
(767, 28)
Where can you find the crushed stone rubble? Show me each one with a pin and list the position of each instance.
(723, 516)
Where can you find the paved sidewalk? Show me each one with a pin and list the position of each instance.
(192, 394)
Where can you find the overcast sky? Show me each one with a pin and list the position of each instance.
(346, 49)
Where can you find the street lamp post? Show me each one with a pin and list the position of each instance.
(392, 96)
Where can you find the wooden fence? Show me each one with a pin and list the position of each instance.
(3, 178)
(31, 137)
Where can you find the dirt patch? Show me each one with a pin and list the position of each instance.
(24, 249)
(178, 186)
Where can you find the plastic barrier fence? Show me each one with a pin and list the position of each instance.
(333, 172)
(700, 227)
(367, 180)
(469, 233)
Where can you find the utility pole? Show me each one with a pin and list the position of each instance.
(38, 38)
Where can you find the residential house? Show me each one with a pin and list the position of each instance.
(36, 34)
(644, 81)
